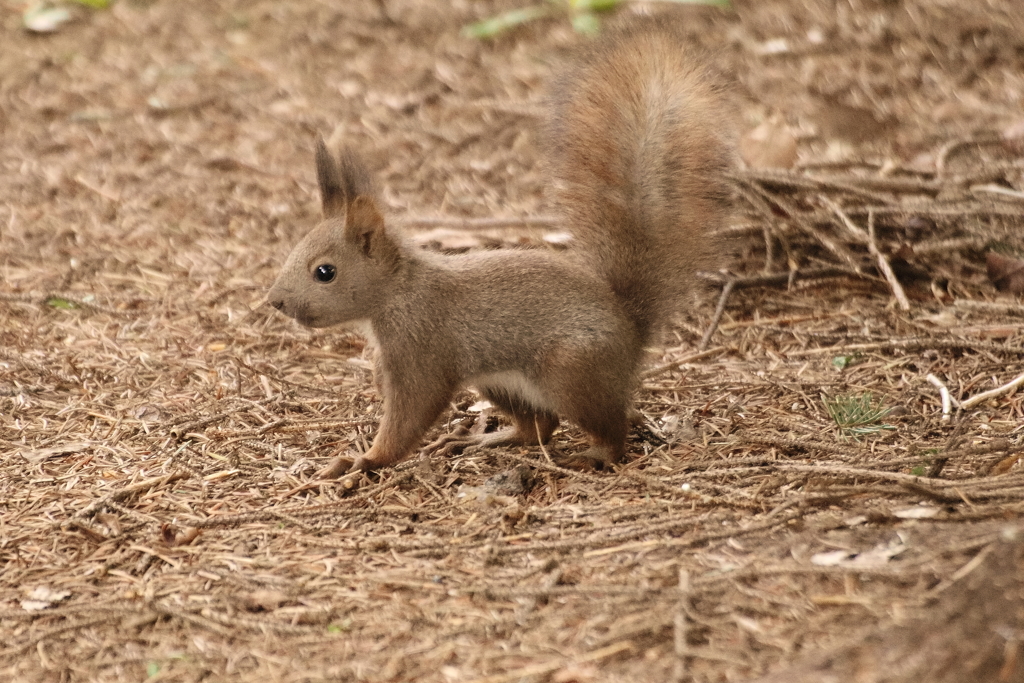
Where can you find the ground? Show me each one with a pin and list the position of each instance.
(161, 429)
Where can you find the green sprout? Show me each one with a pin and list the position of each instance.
(843, 362)
(63, 304)
(857, 415)
(582, 13)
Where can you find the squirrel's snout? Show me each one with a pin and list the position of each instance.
(276, 303)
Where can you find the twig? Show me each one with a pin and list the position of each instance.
(538, 669)
(719, 310)
(43, 298)
(869, 238)
(885, 266)
(540, 441)
(130, 491)
(299, 511)
(931, 209)
(787, 278)
(996, 307)
(758, 198)
(193, 619)
(680, 626)
(668, 367)
(479, 223)
(943, 393)
(769, 249)
(906, 345)
(114, 197)
(807, 224)
(19, 650)
(898, 477)
(947, 149)
(1007, 388)
(999, 191)
(860, 186)
(285, 426)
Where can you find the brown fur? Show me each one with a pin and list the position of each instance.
(638, 159)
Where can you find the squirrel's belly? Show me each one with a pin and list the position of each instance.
(516, 385)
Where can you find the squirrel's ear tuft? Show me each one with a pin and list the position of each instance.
(364, 227)
(328, 177)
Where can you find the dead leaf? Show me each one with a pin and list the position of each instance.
(1005, 272)
(918, 228)
(770, 145)
(836, 119)
(832, 558)
(575, 673)
(1004, 465)
(264, 600)
(40, 17)
(944, 318)
(876, 557)
(174, 537)
(918, 512)
(167, 534)
(42, 597)
(149, 413)
(40, 454)
(112, 522)
(33, 605)
(988, 331)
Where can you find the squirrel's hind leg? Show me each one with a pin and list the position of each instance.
(597, 405)
(533, 426)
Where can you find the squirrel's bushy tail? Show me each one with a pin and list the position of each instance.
(639, 153)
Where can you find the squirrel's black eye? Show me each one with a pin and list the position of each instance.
(325, 272)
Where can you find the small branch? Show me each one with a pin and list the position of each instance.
(947, 149)
(943, 394)
(906, 345)
(885, 266)
(113, 197)
(462, 223)
(995, 307)
(540, 441)
(719, 310)
(77, 300)
(869, 238)
(129, 491)
(1007, 388)
(680, 627)
(854, 229)
(546, 668)
(668, 367)
(20, 650)
(775, 279)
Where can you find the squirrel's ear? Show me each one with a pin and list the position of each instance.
(328, 176)
(364, 226)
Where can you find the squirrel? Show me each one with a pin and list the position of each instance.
(639, 152)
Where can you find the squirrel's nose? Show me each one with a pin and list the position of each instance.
(276, 303)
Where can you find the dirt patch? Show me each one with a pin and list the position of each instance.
(160, 429)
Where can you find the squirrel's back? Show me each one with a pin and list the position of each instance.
(639, 155)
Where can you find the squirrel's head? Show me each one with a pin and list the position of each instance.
(334, 275)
